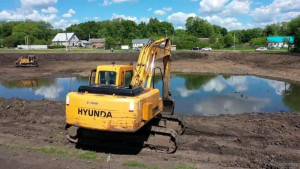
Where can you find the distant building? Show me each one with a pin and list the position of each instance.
(279, 41)
(173, 47)
(125, 47)
(204, 40)
(97, 43)
(138, 43)
(69, 39)
(83, 43)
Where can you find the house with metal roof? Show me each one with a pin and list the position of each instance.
(138, 43)
(97, 43)
(279, 41)
(69, 39)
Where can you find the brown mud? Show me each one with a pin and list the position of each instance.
(250, 140)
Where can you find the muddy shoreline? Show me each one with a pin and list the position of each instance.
(250, 140)
(276, 66)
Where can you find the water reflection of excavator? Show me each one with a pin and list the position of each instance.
(120, 107)
(27, 61)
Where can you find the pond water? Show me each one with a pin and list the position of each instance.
(193, 93)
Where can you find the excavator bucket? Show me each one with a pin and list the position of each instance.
(169, 105)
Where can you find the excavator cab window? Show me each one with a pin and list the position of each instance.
(107, 77)
(128, 77)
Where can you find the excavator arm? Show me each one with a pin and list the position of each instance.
(160, 49)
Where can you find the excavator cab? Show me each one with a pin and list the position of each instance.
(115, 75)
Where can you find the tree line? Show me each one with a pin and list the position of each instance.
(123, 31)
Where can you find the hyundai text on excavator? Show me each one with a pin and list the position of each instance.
(120, 107)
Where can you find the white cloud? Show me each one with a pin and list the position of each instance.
(160, 12)
(215, 84)
(185, 93)
(51, 92)
(144, 19)
(179, 18)
(279, 87)
(212, 6)
(179, 27)
(237, 7)
(227, 22)
(96, 18)
(49, 10)
(229, 104)
(37, 3)
(279, 10)
(22, 14)
(149, 9)
(132, 18)
(115, 16)
(167, 9)
(69, 13)
(62, 23)
(238, 82)
(109, 2)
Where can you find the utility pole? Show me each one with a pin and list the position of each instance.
(233, 40)
(166, 33)
(67, 41)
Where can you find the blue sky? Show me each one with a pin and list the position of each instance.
(232, 14)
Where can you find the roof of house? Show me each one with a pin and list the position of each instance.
(101, 40)
(278, 39)
(84, 41)
(140, 41)
(63, 37)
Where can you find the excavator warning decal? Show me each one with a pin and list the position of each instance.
(94, 113)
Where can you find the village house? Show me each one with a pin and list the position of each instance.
(97, 43)
(139, 43)
(279, 41)
(69, 39)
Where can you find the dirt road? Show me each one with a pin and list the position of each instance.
(32, 132)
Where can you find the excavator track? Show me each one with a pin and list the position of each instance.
(161, 140)
(159, 135)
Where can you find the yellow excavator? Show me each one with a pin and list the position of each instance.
(120, 107)
(27, 61)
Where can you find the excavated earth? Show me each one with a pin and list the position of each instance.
(32, 133)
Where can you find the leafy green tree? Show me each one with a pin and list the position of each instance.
(194, 82)
(228, 40)
(258, 41)
(12, 41)
(292, 99)
(294, 30)
(199, 27)
(110, 42)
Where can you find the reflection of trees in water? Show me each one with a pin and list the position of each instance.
(29, 83)
(195, 81)
(226, 76)
(292, 99)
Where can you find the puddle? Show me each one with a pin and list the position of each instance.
(193, 93)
